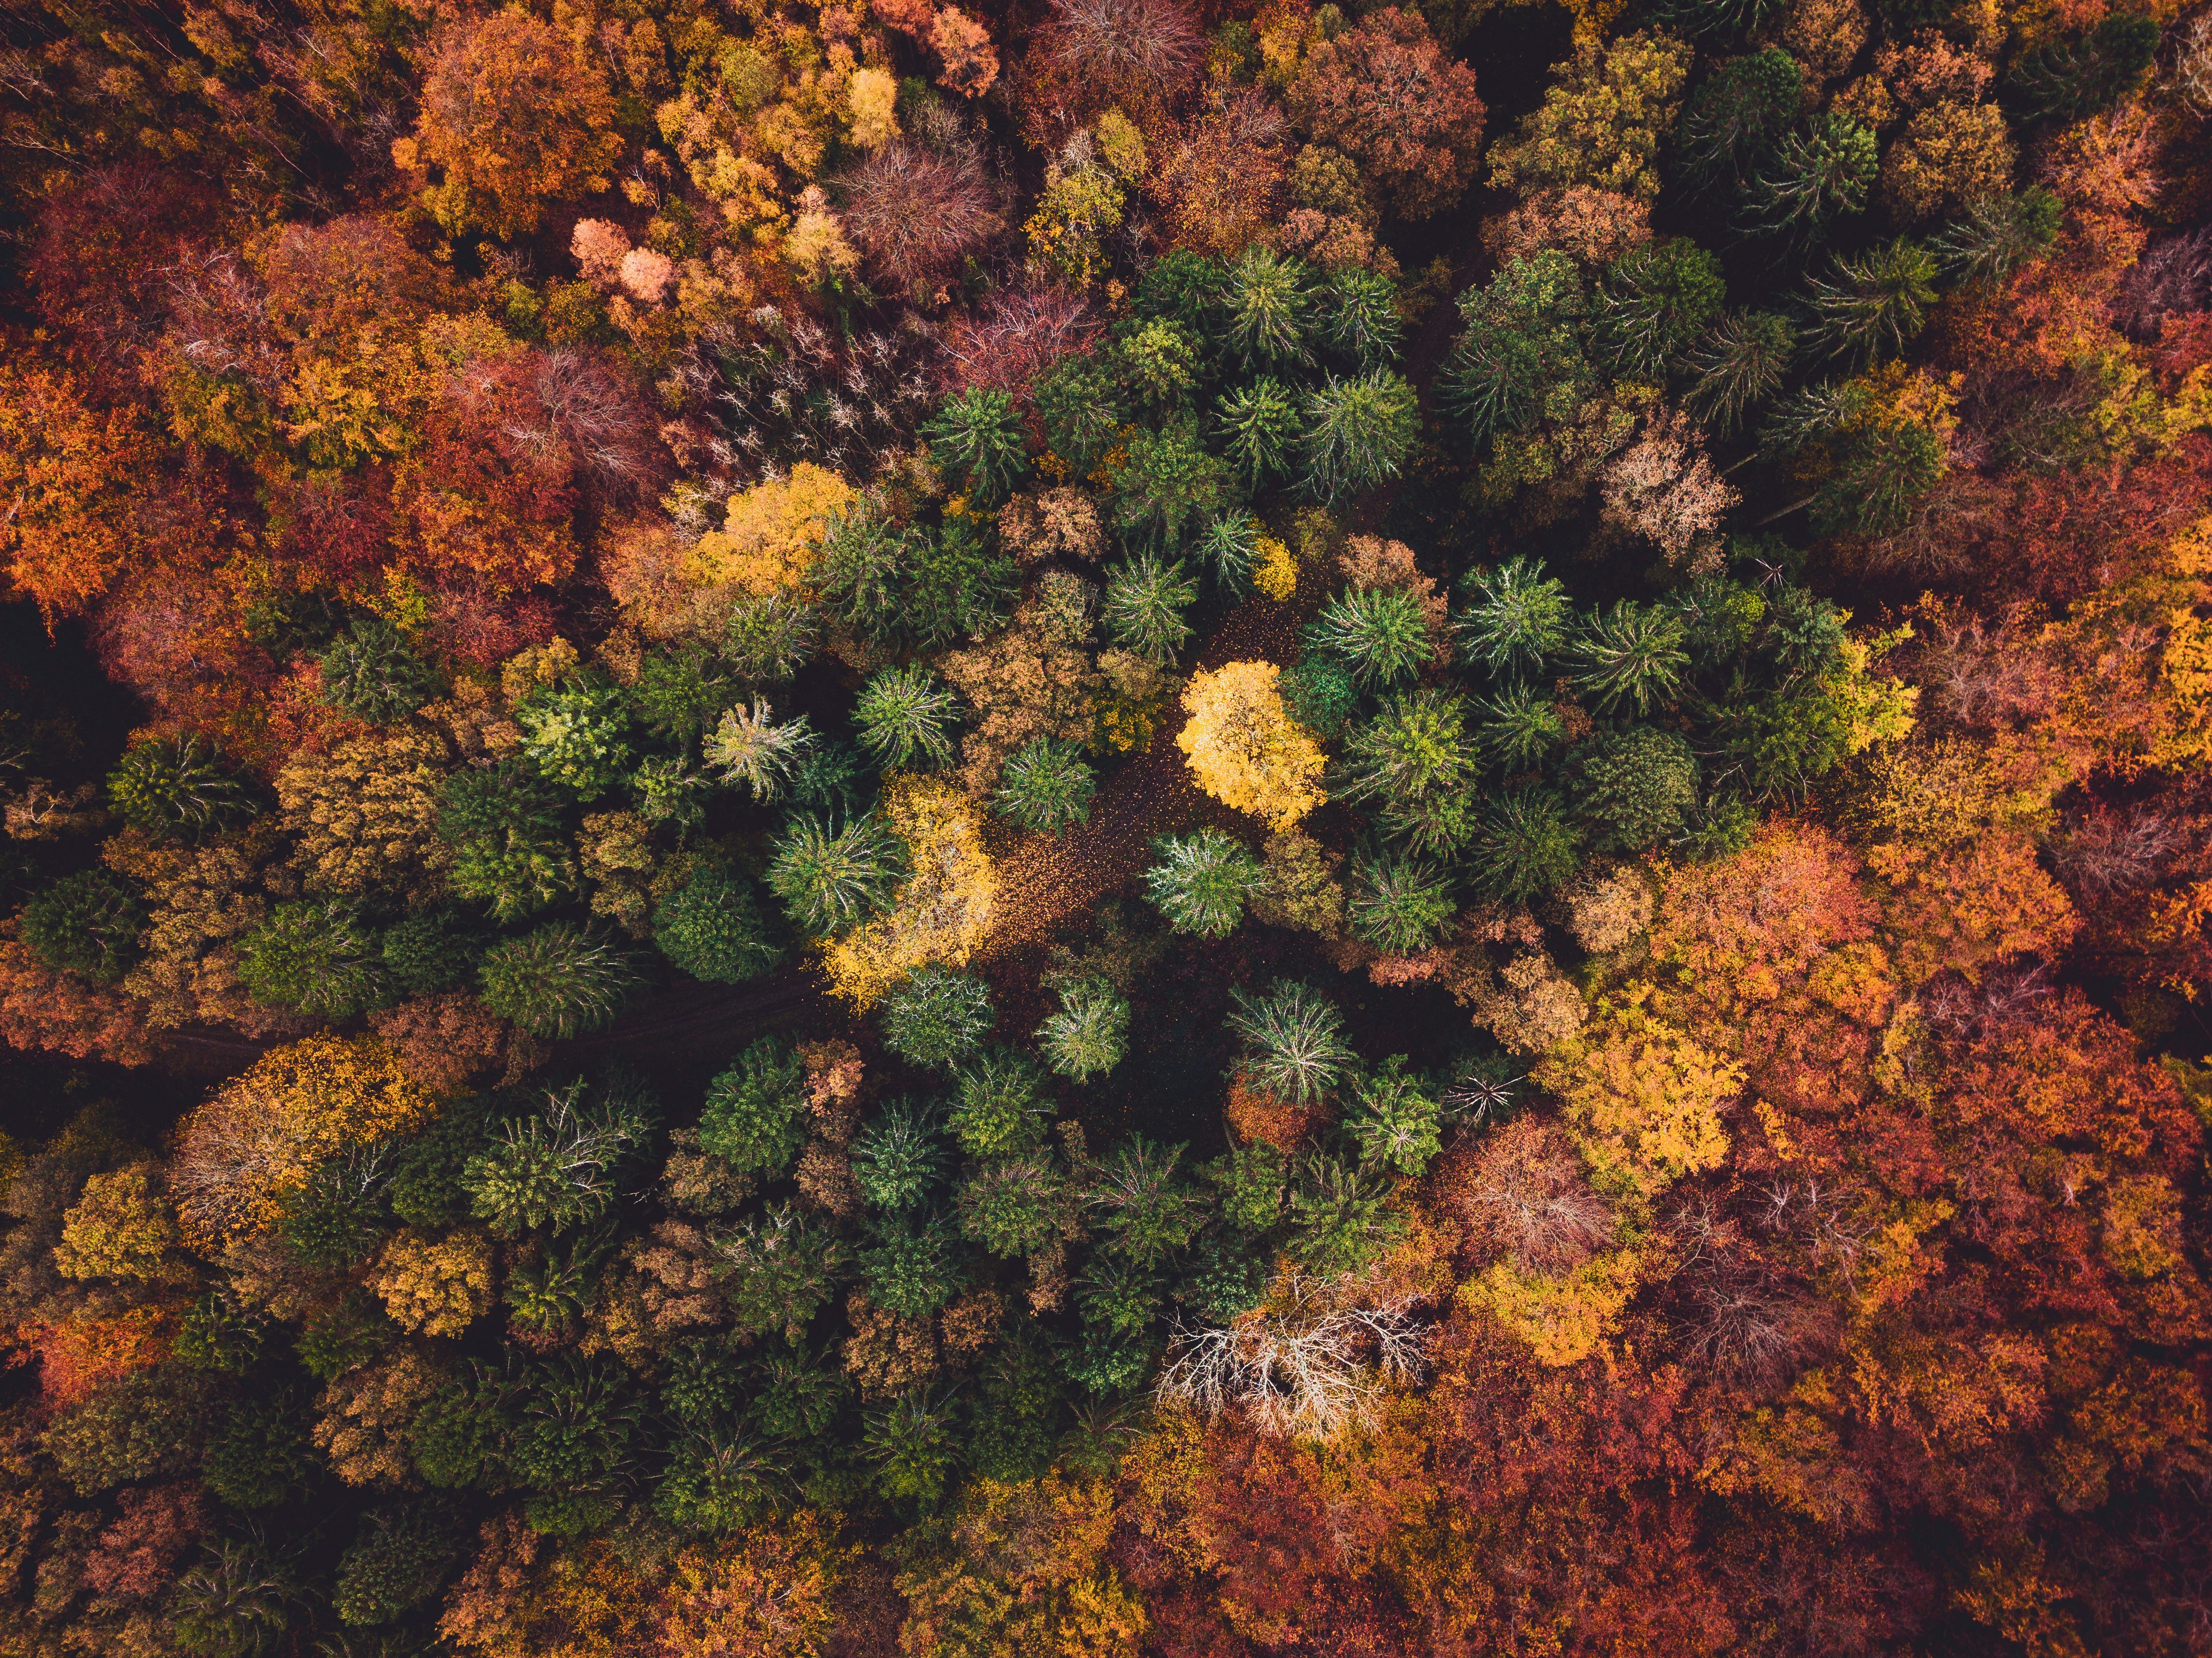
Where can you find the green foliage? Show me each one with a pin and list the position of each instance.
(371, 671)
(711, 927)
(1318, 692)
(1381, 635)
(1227, 1278)
(234, 1602)
(979, 435)
(1393, 1121)
(1734, 119)
(1145, 1209)
(777, 1270)
(510, 850)
(315, 957)
(956, 585)
(1398, 904)
(1520, 728)
(1358, 433)
(1078, 399)
(1998, 234)
(1269, 305)
(1340, 1216)
(1526, 846)
(338, 1218)
(216, 1334)
(1160, 362)
(861, 572)
(1045, 787)
(2066, 82)
(904, 717)
(1516, 617)
(1629, 655)
(1653, 304)
(1250, 1182)
(578, 737)
(427, 1189)
(911, 1266)
(258, 1455)
(899, 1157)
(1358, 317)
(1294, 1042)
(430, 949)
(1415, 760)
(681, 692)
(1118, 1296)
(1014, 1205)
(717, 1482)
(1819, 172)
(1878, 472)
(560, 980)
(912, 1449)
(1144, 606)
(560, 1167)
(146, 1425)
(397, 1560)
(703, 1385)
(1875, 304)
(173, 789)
(999, 1104)
(1169, 484)
(1090, 1034)
(798, 1398)
(771, 637)
(938, 1017)
(1632, 788)
(832, 878)
(1521, 355)
(550, 1296)
(750, 747)
(1202, 881)
(342, 1337)
(754, 1119)
(1259, 425)
(1738, 365)
(572, 1444)
(87, 924)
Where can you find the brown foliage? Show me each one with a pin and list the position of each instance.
(448, 1043)
(1386, 95)
(1520, 1193)
(914, 212)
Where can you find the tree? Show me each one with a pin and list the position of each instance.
(394, 1564)
(1602, 120)
(173, 788)
(435, 1287)
(1294, 1045)
(1415, 760)
(978, 434)
(1997, 235)
(2061, 82)
(749, 747)
(899, 1157)
(1652, 305)
(1385, 94)
(1817, 174)
(577, 737)
(1202, 881)
(770, 637)
(769, 1591)
(1738, 365)
(1045, 787)
(1644, 1100)
(73, 469)
(902, 715)
(711, 927)
(1631, 653)
(1358, 433)
(1259, 426)
(370, 670)
(1398, 904)
(316, 957)
(1242, 747)
(1000, 1105)
(1737, 115)
(516, 117)
(1874, 305)
(938, 1017)
(87, 924)
(912, 1266)
(1632, 788)
(1090, 1034)
(1522, 347)
(1146, 1210)
(1269, 301)
(1015, 1205)
(1525, 847)
(754, 1119)
(560, 980)
(364, 813)
(506, 825)
(1516, 617)
(1143, 611)
(1380, 633)
(832, 878)
(1169, 483)
(556, 1169)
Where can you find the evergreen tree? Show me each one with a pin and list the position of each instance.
(1202, 881)
(979, 435)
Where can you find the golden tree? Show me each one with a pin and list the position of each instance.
(1245, 749)
(943, 911)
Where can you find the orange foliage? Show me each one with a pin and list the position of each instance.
(71, 475)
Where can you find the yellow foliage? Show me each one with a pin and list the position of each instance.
(768, 542)
(119, 1228)
(434, 1287)
(765, 1594)
(1276, 572)
(1244, 750)
(1644, 1100)
(943, 911)
(1563, 1318)
(263, 1135)
(872, 102)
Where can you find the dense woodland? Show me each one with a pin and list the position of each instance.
(1105, 827)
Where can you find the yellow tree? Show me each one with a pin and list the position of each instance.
(1643, 1098)
(941, 915)
(1245, 749)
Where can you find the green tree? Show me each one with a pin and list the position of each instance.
(1014, 1207)
(1876, 304)
(430, 950)
(911, 1447)
(1393, 1120)
(1000, 1105)
(911, 1267)
(1733, 120)
(755, 1115)
(1161, 362)
(1652, 305)
(2066, 82)
(1259, 425)
(560, 980)
(979, 435)
(832, 879)
(1516, 617)
(1415, 760)
(172, 788)
(1202, 881)
(87, 924)
(234, 1602)
(1079, 400)
(1398, 904)
(1630, 653)
(1090, 1034)
(770, 638)
(1817, 174)
(1526, 846)
(1045, 787)
(1358, 433)
(1269, 303)
(681, 692)
(316, 957)
(397, 1560)
(1738, 365)
(711, 927)
(1521, 353)
(938, 1016)
(1144, 608)
(1998, 234)
(905, 716)
(1381, 635)
(1294, 1042)
(559, 1167)
(1520, 728)
(1145, 1209)
(749, 747)
(1341, 1216)
(511, 849)
(899, 1157)
(1357, 317)
(1168, 485)
(1632, 788)
(717, 1481)
(578, 737)
(371, 671)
